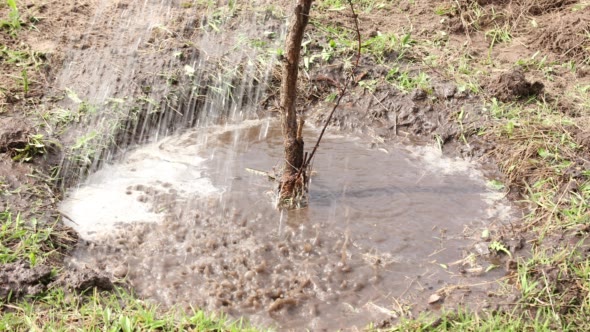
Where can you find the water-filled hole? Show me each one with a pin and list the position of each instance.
(377, 219)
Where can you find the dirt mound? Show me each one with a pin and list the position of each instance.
(13, 134)
(512, 86)
(476, 15)
(83, 279)
(540, 7)
(19, 279)
(536, 7)
(565, 35)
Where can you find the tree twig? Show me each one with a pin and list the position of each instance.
(343, 90)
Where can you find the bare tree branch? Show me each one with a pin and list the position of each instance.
(343, 89)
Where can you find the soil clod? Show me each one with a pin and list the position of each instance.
(83, 279)
(512, 86)
(20, 279)
(13, 135)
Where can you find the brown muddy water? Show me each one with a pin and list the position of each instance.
(187, 224)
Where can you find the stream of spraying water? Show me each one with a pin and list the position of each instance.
(155, 67)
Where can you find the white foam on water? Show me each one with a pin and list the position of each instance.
(107, 198)
(433, 158)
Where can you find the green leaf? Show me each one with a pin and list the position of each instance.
(126, 324)
(499, 247)
(32, 259)
(495, 185)
(544, 153)
(25, 77)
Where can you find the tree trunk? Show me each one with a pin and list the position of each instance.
(292, 184)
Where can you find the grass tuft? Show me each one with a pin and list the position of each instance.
(57, 310)
(27, 241)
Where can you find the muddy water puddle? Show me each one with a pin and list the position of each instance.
(187, 223)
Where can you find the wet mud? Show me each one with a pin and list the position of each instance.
(18, 279)
(378, 218)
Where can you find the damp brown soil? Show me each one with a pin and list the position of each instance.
(188, 222)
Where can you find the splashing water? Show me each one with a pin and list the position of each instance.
(170, 132)
(189, 224)
(134, 81)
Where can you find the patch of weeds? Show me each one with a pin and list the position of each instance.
(464, 72)
(576, 211)
(331, 97)
(101, 311)
(494, 185)
(22, 68)
(4, 187)
(446, 9)
(14, 23)
(21, 58)
(329, 51)
(308, 57)
(440, 39)
(274, 11)
(383, 46)
(497, 35)
(218, 15)
(258, 43)
(463, 320)
(406, 81)
(97, 131)
(35, 146)
(20, 240)
(57, 120)
(85, 148)
(439, 142)
(535, 62)
(369, 85)
(363, 5)
(571, 66)
(339, 43)
(472, 16)
(580, 6)
(501, 110)
(554, 284)
(542, 124)
(581, 95)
